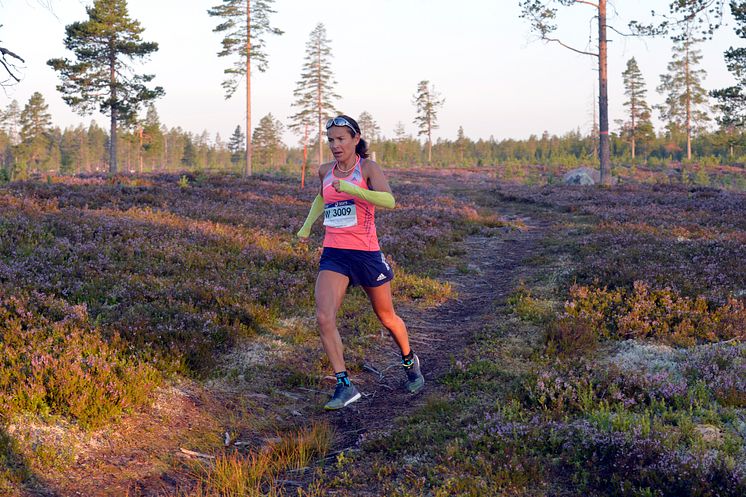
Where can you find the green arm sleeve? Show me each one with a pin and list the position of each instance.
(381, 199)
(317, 207)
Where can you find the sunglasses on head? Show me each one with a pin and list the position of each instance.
(341, 121)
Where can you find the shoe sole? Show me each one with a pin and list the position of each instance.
(352, 399)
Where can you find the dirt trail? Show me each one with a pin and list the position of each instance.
(493, 265)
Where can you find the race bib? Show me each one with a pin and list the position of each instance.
(340, 214)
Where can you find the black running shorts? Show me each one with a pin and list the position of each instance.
(364, 268)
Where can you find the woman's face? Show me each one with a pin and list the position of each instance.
(342, 143)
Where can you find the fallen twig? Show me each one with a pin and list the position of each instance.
(195, 454)
(368, 367)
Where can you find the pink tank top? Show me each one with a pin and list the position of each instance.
(349, 220)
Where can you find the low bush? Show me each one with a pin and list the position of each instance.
(660, 314)
(54, 361)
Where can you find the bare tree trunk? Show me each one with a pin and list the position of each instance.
(247, 170)
(139, 149)
(305, 158)
(688, 105)
(113, 108)
(633, 111)
(603, 97)
(318, 101)
(429, 145)
(81, 162)
(594, 131)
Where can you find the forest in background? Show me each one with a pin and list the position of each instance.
(31, 145)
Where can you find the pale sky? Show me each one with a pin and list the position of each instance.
(497, 80)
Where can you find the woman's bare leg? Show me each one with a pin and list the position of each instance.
(330, 291)
(383, 306)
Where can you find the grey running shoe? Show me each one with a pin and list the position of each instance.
(415, 380)
(343, 395)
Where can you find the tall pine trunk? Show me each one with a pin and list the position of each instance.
(247, 169)
(429, 144)
(603, 97)
(634, 110)
(688, 97)
(113, 128)
(318, 101)
(305, 157)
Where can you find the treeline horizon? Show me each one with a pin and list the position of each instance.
(30, 143)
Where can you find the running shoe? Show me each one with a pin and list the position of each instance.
(415, 380)
(343, 395)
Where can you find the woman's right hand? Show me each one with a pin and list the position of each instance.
(303, 235)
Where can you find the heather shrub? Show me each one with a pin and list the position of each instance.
(570, 336)
(53, 361)
(616, 463)
(528, 307)
(660, 314)
(689, 239)
(183, 274)
(626, 463)
(722, 369)
(562, 389)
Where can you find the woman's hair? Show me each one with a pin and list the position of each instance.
(362, 147)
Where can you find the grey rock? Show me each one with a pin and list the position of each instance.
(582, 176)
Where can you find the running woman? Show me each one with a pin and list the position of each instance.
(352, 186)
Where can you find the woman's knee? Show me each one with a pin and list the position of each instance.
(325, 319)
(388, 319)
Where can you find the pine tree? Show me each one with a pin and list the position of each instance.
(71, 157)
(244, 24)
(731, 101)
(202, 149)
(97, 143)
(542, 15)
(104, 46)
(36, 125)
(428, 104)
(189, 158)
(236, 144)
(461, 143)
(639, 127)
(153, 140)
(368, 127)
(268, 140)
(314, 92)
(682, 87)
(400, 132)
(400, 135)
(11, 119)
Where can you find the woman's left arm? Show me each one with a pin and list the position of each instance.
(380, 191)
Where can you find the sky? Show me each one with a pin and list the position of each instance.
(498, 80)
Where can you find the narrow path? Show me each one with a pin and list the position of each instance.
(493, 265)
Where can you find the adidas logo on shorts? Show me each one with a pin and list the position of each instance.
(381, 277)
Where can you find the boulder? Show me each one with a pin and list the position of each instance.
(582, 176)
